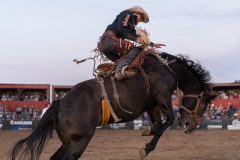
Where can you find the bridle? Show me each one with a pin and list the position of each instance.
(193, 113)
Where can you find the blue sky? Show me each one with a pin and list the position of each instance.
(39, 39)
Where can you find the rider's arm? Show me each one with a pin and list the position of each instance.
(125, 26)
(156, 45)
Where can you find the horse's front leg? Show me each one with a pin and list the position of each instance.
(158, 127)
(155, 120)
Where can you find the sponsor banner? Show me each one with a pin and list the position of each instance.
(145, 123)
(115, 126)
(214, 127)
(20, 125)
(235, 125)
(137, 124)
(213, 124)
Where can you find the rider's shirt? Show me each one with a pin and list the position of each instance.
(124, 25)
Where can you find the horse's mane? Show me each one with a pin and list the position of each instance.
(195, 67)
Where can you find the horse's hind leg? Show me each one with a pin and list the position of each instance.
(74, 139)
(75, 149)
(155, 120)
(59, 153)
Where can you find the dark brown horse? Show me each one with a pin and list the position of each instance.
(76, 116)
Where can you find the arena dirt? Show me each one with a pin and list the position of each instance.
(125, 144)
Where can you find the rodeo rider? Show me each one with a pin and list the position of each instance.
(118, 34)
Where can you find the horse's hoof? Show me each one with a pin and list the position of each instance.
(142, 154)
(146, 131)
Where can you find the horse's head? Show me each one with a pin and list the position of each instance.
(192, 108)
(194, 81)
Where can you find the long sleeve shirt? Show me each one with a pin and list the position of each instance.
(124, 25)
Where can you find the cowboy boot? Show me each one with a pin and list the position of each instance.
(121, 69)
(124, 73)
(118, 75)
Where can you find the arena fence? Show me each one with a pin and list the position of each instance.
(217, 124)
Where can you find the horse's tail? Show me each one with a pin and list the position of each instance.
(31, 147)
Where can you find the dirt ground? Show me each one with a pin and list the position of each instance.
(125, 144)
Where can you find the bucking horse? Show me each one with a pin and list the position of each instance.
(76, 116)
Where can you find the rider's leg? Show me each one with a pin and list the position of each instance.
(124, 62)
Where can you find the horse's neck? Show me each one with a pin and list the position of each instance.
(186, 80)
(190, 75)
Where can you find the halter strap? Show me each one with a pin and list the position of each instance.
(194, 113)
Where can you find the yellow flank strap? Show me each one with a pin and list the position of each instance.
(105, 113)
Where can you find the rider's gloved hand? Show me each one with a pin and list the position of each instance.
(158, 45)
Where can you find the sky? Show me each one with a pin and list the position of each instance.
(40, 38)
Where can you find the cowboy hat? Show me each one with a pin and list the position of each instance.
(140, 10)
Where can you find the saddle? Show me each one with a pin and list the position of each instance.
(106, 69)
